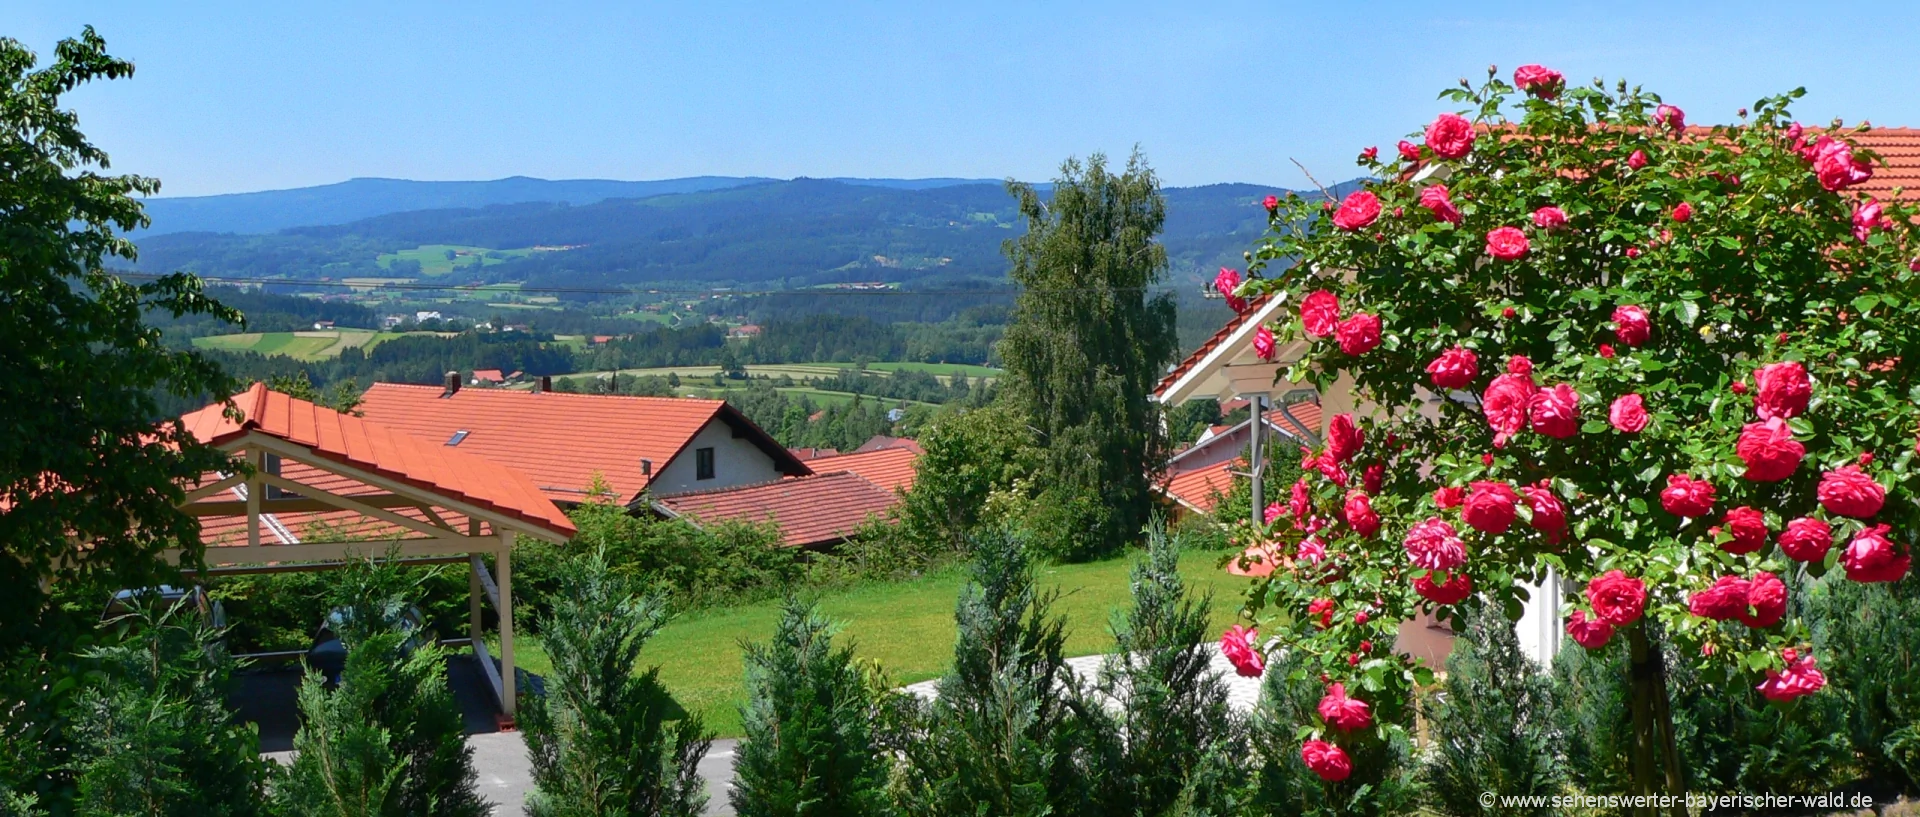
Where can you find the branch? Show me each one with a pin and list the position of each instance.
(1316, 182)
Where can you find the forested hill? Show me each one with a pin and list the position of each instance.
(788, 234)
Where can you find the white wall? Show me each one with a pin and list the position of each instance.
(735, 462)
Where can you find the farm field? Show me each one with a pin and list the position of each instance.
(306, 346)
(798, 371)
(434, 261)
(906, 626)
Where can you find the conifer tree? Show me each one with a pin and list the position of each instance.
(345, 762)
(1494, 727)
(809, 722)
(1383, 782)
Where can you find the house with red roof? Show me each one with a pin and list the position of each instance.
(816, 511)
(1199, 474)
(491, 377)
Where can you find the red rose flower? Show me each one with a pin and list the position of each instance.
(1683, 212)
(1239, 646)
(1454, 587)
(1748, 527)
(1455, 368)
(1505, 405)
(1633, 252)
(1784, 390)
(1449, 497)
(1724, 601)
(1769, 450)
(1555, 412)
(1490, 506)
(1507, 243)
(1301, 501)
(1409, 151)
(1344, 713)
(1359, 209)
(1343, 438)
(1806, 539)
(1370, 154)
(1507, 313)
(1835, 165)
(1871, 557)
(1360, 514)
(1637, 159)
(1358, 334)
(1450, 136)
(1767, 596)
(1867, 217)
(1227, 283)
(1549, 218)
(1538, 80)
(1631, 325)
(1372, 478)
(1271, 203)
(1519, 364)
(1320, 313)
(1434, 197)
(1263, 344)
(1274, 511)
(1434, 545)
(1671, 117)
(1328, 761)
(1800, 678)
(1617, 598)
(1323, 610)
(1628, 414)
(1591, 633)
(1549, 514)
(1849, 491)
(1686, 496)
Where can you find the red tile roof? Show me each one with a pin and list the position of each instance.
(1307, 413)
(1899, 150)
(562, 440)
(814, 453)
(810, 511)
(1206, 347)
(489, 376)
(882, 441)
(887, 468)
(1201, 488)
(375, 447)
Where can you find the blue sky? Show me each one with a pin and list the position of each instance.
(250, 96)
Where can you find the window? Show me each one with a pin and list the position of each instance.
(703, 463)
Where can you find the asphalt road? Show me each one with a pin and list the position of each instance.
(500, 759)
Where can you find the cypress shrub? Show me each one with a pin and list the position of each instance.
(345, 762)
(1384, 780)
(1596, 716)
(602, 737)
(1494, 724)
(809, 747)
(1868, 641)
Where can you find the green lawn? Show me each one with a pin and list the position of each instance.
(907, 627)
(307, 346)
(434, 261)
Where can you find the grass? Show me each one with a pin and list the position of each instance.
(798, 371)
(434, 261)
(306, 346)
(907, 627)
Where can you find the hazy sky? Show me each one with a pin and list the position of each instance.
(250, 96)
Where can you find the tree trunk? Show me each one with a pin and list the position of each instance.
(1654, 748)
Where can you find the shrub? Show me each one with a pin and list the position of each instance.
(1494, 726)
(345, 763)
(1596, 716)
(809, 741)
(1873, 639)
(1384, 781)
(971, 455)
(599, 736)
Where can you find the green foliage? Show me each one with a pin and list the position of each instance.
(1385, 778)
(1596, 716)
(809, 720)
(345, 762)
(1869, 642)
(1000, 738)
(89, 484)
(1171, 745)
(1283, 468)
(1085, 349)
(342, 397)
(602, 736)
(152, 734)
(972, 471)
(1494, 725)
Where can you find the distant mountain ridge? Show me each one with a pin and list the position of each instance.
(268, 211)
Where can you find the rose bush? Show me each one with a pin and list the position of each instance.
(1709, 380)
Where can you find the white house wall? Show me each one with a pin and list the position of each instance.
(736, 461)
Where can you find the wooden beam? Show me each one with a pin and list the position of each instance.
(312, 567)
(433, 516)
(490, 590)
(225, 484)
(507, 679)
(335, 551)
(490, 672)
(347, 503)
(254, 490)
(237, 508)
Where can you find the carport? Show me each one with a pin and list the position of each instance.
(324, 487)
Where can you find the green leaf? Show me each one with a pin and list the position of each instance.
(1689, 313)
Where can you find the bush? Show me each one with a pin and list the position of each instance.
(280, 611)
(599, 736)
(809, 745)
(971, 455)
(345, 763)
(1494, 727)
(1868, 640)
(1596, 715)
(1383, 781)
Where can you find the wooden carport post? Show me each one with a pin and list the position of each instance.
(505, 579)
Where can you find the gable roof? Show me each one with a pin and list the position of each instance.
(1255, 306)
(881, 441)
(1200, 488)
(887, 468)
(1307, 413)
(374, 447)
(810, 511)
(561, 440)
(489, 376)
(1899, 150)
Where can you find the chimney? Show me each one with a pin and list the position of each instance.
(546, 384)
(453, 384)
(646, 468)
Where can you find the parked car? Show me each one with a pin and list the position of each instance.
(209, 610)
(328, 655)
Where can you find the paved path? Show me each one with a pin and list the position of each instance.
(1242, 693)
(500, 760)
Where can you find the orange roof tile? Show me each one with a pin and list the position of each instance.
(1201, 488)
(887, 468)
(375, 447)
(882, 441)
(562, 440)
(809, 511)
(489, 375)
(1899, 150)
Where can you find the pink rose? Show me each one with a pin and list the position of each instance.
(1769, 450)
(1835, 165)
(1434, 545)
(1683, 212)
(1748, 527)
(1320, 313)
(1227, 283)
(1274, 511)
(1311, 551)
(1800, 678)
(1271, 203)
(1359, 209)
(1767, 596)
(1549, 218)
(1628, 414)
(1606, 351)
(1373, 477)
(1490, 506)
(1591, 633)
(1370, 154)
(1686, 496)
(1549, 514)
(1507, 243)
(1450, 136)
(1631, 325)
(1358, 334)
(1301, 502)
(1454, 587)
(1806, 539)
(1449, 497)
(1555, 412)
(1360, 514)
(1436, 199)
(1328, 761)
(1871, 557)
(1344, 713)
(1519, 364)
(1867, 217)
(1238, 645)
(1637, 159)
(1263, 342)
(1724, 601)
(1455, 368)
(1343, 438)
(1633, 252)
(1538, 80)
(1671, 117)
(1784, 390)
(1849, 491)
(1617, 598)
(1505, 405)
(1409, 151)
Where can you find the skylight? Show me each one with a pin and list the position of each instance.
(458, 436)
